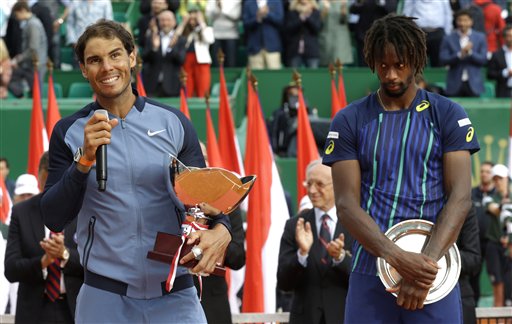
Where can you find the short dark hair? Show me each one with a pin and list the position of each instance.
(462, 12)
(107, 29)
(19, 6)
(490, 163)
(44, 162)
(403, 34)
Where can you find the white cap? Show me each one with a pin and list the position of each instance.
(26, 184)
(499, 170)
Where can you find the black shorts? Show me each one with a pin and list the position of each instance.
(496, 262)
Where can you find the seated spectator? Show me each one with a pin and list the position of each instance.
(423, 84)
(500, 68)
(224, 16)
(163, 57)
(335, 39)
(262, 23)
(199, 37)
(302, 27)
(465, 53)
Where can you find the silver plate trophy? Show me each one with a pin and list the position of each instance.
(411, 235)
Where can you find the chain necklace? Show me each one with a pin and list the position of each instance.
(380, 101)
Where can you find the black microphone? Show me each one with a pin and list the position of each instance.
(101, 160)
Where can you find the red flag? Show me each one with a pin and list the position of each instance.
(52, 110)
(183, 103)
(335, 100)
(228, 142)
(212, 148)
(306, 145)
(341, 90)
(140, 86)
(38, 141)
(5, 203)
(265, 215)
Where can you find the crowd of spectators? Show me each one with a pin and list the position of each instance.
(264, 34)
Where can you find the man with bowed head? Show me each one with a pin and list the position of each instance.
(400, 153)
(117, 227)
(314, 262)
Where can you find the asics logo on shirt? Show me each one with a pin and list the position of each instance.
(470, 133)
(330, 148)
(150, 133)
(422, 106)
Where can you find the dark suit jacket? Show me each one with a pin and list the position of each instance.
(469, 247)
(215, 289)
(317, 287)
(450, 47)
(23, 261)
(297, 30)
(169, 64)
(495, 72)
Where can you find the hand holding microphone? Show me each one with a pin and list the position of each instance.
(97, 134)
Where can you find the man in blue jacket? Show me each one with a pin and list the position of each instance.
(263, 20)
(117, 227)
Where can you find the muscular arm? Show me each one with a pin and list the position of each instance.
(457, 183)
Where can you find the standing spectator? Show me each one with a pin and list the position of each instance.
(224, 16)
(465, 53)
(479, 195)
(32, 257)
(83, 13)
(493, 23)
(471, 262)
(163, 57)
(199, 37)
(44, 14)
(496, 259)
(33, 42)
(335, 39)
(435, 19)
(58, 11)
(500, 66)
(150, 19)
(314, 261)
(263, 20)
(302, 27)
(368, 11)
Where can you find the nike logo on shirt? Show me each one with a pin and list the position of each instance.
(150, 133)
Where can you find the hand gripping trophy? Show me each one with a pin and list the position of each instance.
(215, 188)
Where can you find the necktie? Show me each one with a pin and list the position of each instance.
(53, 280)
(325, 238)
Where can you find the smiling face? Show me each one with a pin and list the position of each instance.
(395, 76)
(319, 187)
(107, 66)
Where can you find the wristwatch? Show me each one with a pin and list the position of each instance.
(80, 158)
(65, 255)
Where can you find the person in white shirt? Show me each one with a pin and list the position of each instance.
(500, 66)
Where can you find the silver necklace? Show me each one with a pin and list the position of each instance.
(380, 101)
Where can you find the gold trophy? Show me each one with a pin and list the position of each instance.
(220, 188)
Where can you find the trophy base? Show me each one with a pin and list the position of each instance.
(166, 246)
